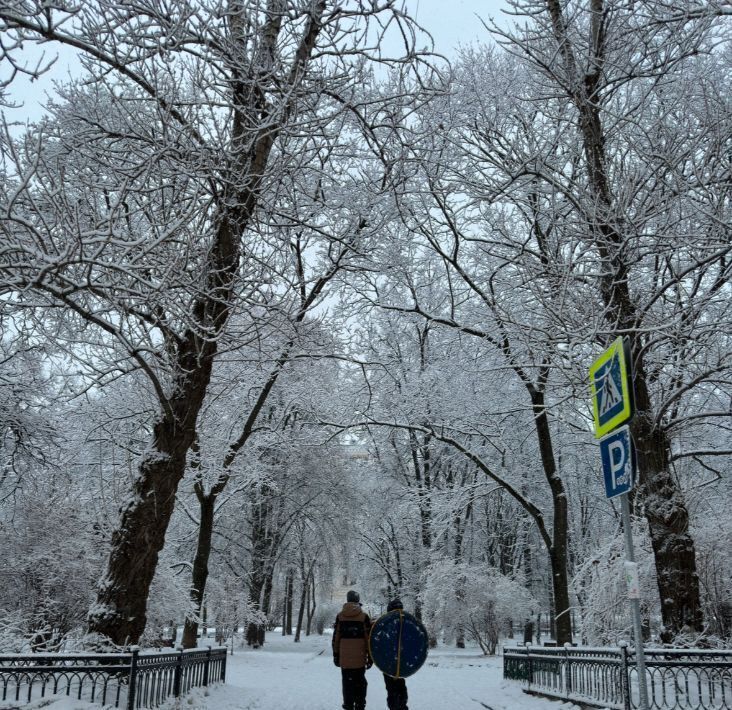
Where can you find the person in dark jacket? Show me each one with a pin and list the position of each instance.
(351, 651)
(396, 688)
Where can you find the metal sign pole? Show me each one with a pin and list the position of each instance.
(611, 385)
(640, 658)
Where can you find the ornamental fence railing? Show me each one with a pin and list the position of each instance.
(677, 679)
(123, 680)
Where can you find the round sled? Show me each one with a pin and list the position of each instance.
(398, 644)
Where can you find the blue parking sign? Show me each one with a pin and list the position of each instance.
(618, 462)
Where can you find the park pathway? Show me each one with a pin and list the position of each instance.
(289, 676)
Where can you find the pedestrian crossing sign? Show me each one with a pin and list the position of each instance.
(612, 392)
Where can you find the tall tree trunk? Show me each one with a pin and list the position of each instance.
(460, 582)
(120, 609)
(265, 540)
(460, 599)
(267, 595)
(257, 578)
(200, 570)
(301, 611)
(290, 592)
(312, 605)
(423, 480)
(668, 523)
(256, 585)
(664, 507)
(663, 504)
(207, 502)
(284, 611)
(560, 523)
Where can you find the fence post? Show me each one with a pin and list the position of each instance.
(568, 671)
(223, 666)
(178, 671)
(132, 688)
(529, 666)
(624, 675)
(205, 668)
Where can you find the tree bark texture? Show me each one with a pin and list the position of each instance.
(289, 594)
(312, 605)
(560, 523)
(200, 565)
(120, 610)
(663, 505)
(668, 523)
(265, 540)
(256, 587)
(301, 611)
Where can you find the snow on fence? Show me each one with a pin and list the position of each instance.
(125, 680)
(678, 679)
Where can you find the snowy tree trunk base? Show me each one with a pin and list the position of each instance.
(668, 522)
(675, 555)
(120, 611)
(200, 567)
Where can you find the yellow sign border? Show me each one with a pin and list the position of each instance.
(616, 349)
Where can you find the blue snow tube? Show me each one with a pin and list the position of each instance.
(398, 644)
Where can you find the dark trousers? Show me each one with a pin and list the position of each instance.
(396, 693)
(354, 688)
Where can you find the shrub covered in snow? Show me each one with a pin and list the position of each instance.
(475, 601)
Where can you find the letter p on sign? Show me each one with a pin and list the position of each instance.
(618, 462)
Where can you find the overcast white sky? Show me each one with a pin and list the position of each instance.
(450, 22)
(454, 22)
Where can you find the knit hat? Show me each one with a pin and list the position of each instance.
(395, 604)
(353, 597)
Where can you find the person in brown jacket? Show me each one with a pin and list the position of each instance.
(351, 651)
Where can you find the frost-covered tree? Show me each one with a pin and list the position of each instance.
(549, 204)
(638, 87)
(468, 270)
(27, 431)
(485, 603)
(318, 316)
(51, 560)
(134, 207)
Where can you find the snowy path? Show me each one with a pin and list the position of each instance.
(289, 676)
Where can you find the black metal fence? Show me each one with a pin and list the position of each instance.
(678, 679)
(125, 680)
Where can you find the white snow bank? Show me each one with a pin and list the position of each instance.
(288, 676)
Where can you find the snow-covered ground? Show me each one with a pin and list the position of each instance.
(289, 676)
